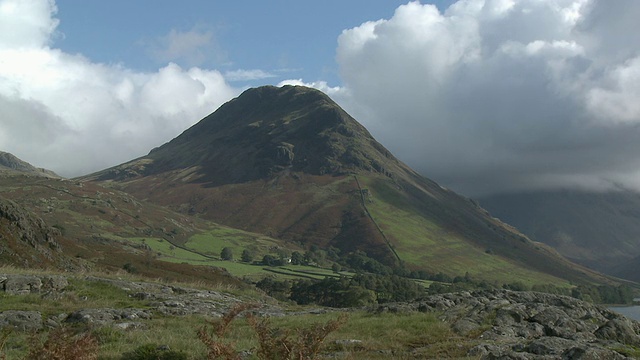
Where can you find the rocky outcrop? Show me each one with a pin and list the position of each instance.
(24, 234)
(28, 284)
(108, 316)
(21, 320)
(9, 162)
(176, 300)
(156, 299)
(529, 325)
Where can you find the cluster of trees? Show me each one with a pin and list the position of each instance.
(604, 294)
(359, 290)
(314, 256)
(375, 282)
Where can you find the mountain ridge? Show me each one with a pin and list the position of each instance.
(289, 162)
(596, 229)
(11, 163)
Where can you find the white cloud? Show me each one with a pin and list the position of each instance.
(617, 98)
(71, 115)
(333, 91)
(27, 23)
(247, 75)
(495, 95)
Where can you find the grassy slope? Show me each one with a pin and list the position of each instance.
(422, 243)
(106, 227)
(109, 229)
(598, 229)
(318, 206)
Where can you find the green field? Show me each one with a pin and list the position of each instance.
(165, 251)
(212, 241)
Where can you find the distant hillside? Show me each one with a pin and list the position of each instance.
(10, 163)
(290, 163)
(600, 230)
(57, 223)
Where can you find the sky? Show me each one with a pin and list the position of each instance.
(483, 96)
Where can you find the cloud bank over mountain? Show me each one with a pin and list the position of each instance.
(484, 96)
(67, 113)
(491, 95)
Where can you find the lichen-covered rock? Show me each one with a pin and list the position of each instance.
(20, 284)
(107, 316)
(16, 284)
(54, 283)
(21, 320)
(621, 330)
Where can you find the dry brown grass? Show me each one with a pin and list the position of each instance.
(63, 344)
(277, 344)
(214, 338)
(4, 335)
(273, 343)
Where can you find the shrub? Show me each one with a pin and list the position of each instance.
(277, 344)
(153, 352)
(213, 338)
(128, 267)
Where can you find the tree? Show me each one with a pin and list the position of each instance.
(297, 258)
(226, 254)
(271, 260)
(247, 256)
(335, 267)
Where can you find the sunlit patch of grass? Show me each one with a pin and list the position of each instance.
(170, 251)
(422, 242)
(212, 241)
(627, 350)
(178, 333)
(80, 293)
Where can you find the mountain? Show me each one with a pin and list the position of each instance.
(10, 163)
(290, 163)
(629, 270)
(597, 229)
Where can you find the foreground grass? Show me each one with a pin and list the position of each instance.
(79, 295)
(363, 336)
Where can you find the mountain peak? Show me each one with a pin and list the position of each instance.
(265, 131)
(286, 93)
(290, 163)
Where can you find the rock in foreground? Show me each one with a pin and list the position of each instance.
(529, 325)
